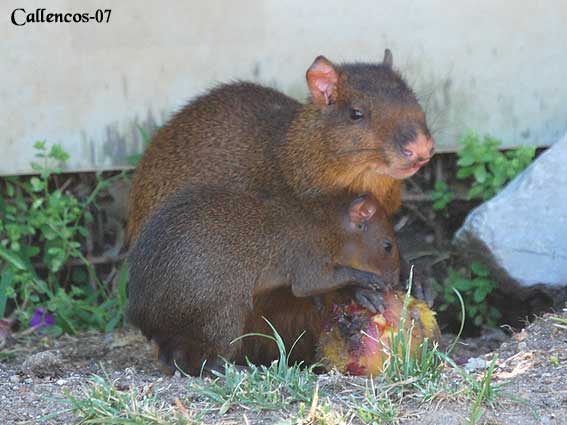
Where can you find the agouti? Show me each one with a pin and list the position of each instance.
(194, 287)
(362, 130)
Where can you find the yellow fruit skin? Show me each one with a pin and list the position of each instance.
(357, 342)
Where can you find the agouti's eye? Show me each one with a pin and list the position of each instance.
(387, 247)
(355, 114)
(362, 226)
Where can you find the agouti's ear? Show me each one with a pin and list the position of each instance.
(322, 80)
(388, 58)
(362, 209)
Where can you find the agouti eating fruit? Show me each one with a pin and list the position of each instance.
(362, 130)
(194, 287)
(357, 342)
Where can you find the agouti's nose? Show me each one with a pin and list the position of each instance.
(419, 150)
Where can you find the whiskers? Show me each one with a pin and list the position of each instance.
(364, 155)
(355, 151)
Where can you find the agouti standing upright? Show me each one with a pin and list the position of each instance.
(194, 286)
(362, 130)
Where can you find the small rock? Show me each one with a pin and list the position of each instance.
(522, 346)
(15, 379)
(61, 382)
(520, 336)
(474, 364)
(46, 363)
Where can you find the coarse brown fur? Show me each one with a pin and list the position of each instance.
(194, 287)
(248, 137)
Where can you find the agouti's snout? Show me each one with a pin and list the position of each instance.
(419, 151)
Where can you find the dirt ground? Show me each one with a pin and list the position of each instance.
(35, 372)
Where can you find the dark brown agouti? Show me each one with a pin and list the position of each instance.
(362, 130)
(194, 286)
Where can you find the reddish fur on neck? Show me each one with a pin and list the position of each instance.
(361, 179)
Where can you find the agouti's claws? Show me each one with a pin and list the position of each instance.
(369, 299)
(365, 303)
(422, 289)
(374, 281)
(418, 292)
(429, 295)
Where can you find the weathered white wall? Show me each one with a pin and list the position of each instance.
(498, 67)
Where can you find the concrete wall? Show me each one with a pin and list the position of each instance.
(494, 66)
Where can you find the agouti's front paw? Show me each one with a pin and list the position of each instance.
(371, 299)
(421, 285)
(367, 280)
(422, 288)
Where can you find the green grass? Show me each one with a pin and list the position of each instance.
(418, 374)
(319, 413)
(101, 402)
(482, 390)
(376, 405)
(272, 387)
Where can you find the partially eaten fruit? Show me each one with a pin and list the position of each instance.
(358, 342)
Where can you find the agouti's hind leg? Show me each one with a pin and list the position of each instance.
(180, 353)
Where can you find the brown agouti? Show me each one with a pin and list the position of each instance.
(362, 130)
(194, 286)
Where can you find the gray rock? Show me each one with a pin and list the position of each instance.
(475, 364)
(45, 363)
(521, 233)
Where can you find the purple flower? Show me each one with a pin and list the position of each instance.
(41, 318)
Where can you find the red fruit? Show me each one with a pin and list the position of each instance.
(357, 342)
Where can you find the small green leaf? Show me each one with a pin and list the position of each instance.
(479, 269)
(37, 184)
(39, 145)
(480, 173)
(37, 203)
(145, 135)
(472, 310)
(463, 173)
(5, 282)
(439, 205)
(88, 217)
(13, 258)
(479, 295)
(485, 282)
(464, 284)
(475, 192)
(10, 191)
(465, 161)
(58, 153)
(36, 167)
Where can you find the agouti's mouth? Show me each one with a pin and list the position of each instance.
(405, 172)
(400, 172)
(412, 168)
